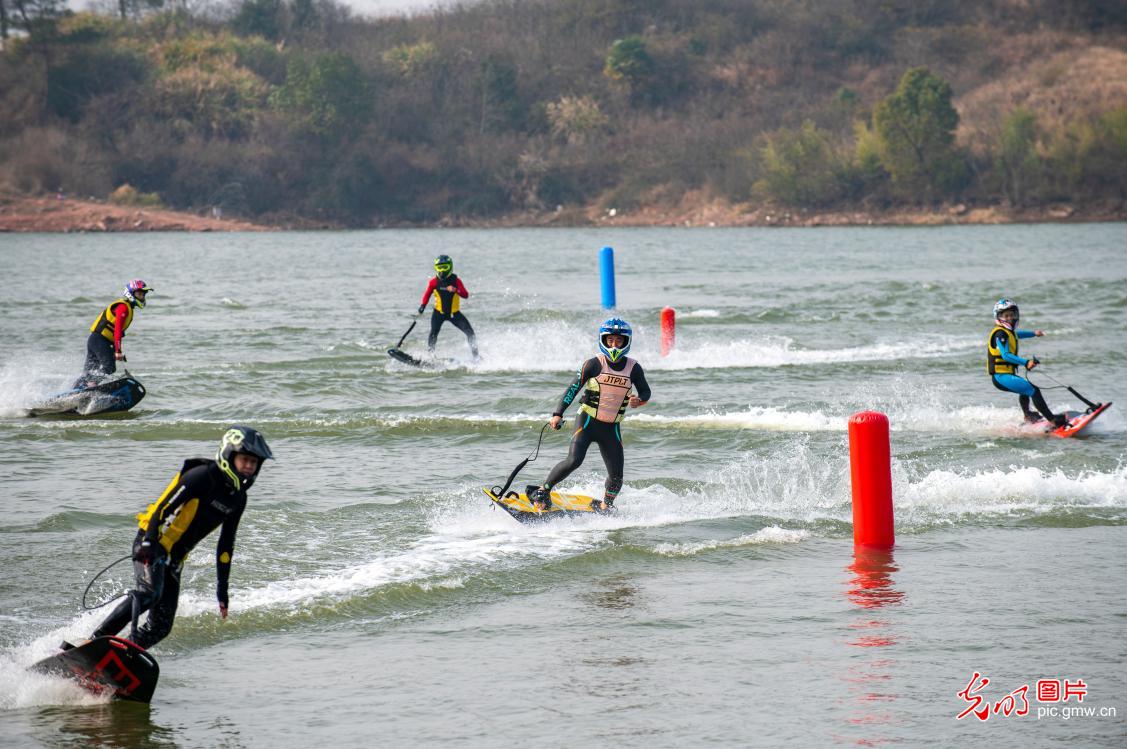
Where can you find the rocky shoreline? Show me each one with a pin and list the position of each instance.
(67, 215)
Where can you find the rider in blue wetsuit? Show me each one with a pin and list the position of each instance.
(1002, 361)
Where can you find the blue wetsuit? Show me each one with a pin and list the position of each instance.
(1012, 383)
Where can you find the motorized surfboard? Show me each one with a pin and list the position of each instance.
(563, 505)
(107, 665)
(120, 394)
(1077, 422)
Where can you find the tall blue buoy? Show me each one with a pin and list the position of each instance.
(606, 273)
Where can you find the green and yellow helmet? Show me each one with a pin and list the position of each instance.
(443, 266)
(241, 439)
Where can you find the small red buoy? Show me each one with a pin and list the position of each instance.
(870, 464)
(668, 332)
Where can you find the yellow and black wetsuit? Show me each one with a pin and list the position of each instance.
(199, 499)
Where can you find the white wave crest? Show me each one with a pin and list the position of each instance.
(772, 535)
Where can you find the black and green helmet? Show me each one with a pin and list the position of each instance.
(443, 265)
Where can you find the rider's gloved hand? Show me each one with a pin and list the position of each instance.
(147, 552)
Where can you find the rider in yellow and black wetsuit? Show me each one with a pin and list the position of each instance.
(606, 380)
(203, 496)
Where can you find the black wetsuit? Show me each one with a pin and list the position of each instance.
(199, 500)
(588, 429)
(459, 321)
(99, 360)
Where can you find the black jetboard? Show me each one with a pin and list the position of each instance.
(107, 664)
(400, 355)
(121, 394)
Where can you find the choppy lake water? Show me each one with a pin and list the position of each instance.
(377, 598)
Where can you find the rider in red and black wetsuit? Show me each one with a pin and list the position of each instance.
(446, 288)
(103, 345)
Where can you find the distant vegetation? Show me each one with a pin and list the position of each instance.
(276, 108)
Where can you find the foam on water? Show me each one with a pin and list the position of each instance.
(772, 535)
(30, 378)
(556, 345)
(948, 497)
(491, 544)
(20, 688)
(781, 351)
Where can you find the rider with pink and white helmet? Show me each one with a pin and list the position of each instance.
(103, 345)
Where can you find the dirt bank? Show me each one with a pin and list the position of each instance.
(68, 215)
(24, 214)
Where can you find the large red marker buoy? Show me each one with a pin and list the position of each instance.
(668, 330)
(870, 464)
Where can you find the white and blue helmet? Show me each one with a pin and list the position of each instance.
(615, 326)
(1004, 305)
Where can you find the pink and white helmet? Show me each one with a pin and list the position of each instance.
(135, 292)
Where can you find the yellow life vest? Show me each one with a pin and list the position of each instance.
(995, 364)
(179, 523)
(104, 323)
(446, 302)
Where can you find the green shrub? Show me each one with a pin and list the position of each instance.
(127, 195)
(915, 126)
(1017, 162)
(800, 167)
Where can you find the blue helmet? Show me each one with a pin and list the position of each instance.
(615, 326)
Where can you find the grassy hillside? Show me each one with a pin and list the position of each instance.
(273, 108)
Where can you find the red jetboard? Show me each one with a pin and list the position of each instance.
(1077, 422)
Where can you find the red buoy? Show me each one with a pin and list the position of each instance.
(668, 325)
(870, 464)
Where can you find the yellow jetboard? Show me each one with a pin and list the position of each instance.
(563, 505)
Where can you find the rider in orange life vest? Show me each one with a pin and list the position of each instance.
(1002, 361)
(103, 345)
(446, 288)
(203, 496)
(607, 380)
